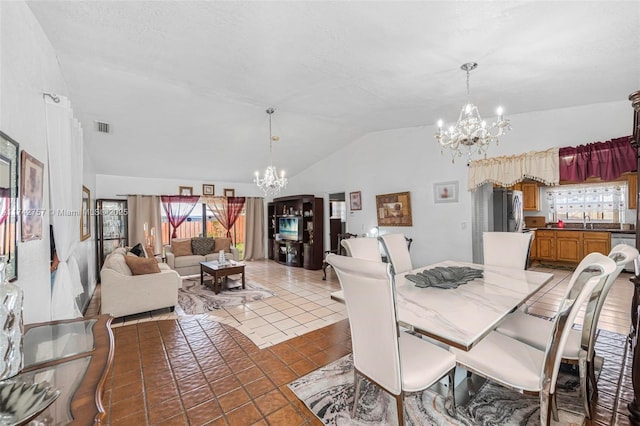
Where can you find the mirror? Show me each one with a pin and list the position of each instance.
(8, 203)
(85, 217)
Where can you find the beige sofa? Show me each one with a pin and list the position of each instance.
(123, 293)
(189, 264)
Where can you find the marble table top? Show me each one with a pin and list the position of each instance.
(461, 317)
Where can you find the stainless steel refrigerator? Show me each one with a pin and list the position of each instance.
(506, 210)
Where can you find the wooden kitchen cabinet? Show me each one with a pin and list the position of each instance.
(596, 242)
(632, 186)
(530, 196)
(546, 245)
(569, 244)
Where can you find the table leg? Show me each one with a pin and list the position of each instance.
(243, 287)
(216, 283)
(201, 276)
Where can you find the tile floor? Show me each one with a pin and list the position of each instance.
(195, 370)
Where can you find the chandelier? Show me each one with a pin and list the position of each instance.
(471, 134)
(270, 183)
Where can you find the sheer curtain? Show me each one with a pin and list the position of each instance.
(254, 238)
(178, 208)
(64, 151)
(226, 210)
(144, 209)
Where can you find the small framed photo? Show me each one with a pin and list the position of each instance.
(85, 216)
(185, 190)
(229, 192)
(445, 192)
(355, 200)
(207, 189)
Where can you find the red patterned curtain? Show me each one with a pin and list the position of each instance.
(606, 160)
(226, 210)
(178, 208)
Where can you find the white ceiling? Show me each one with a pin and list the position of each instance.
(187, 83)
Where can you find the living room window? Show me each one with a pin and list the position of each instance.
(599, 203)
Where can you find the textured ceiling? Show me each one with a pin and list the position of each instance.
(188, 83)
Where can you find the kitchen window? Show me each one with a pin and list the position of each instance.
(599, 203)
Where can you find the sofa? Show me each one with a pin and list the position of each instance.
(185, 254)
(123, 293)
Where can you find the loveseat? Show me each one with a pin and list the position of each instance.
(185, 254)
(123, 293)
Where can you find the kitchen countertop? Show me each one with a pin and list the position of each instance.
(612, 230)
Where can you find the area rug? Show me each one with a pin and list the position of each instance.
(328, 393)
(197, 299)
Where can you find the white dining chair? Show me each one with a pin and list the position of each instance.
(396, 361)
(520, 366)
(580, 347)
(395, 245)
(506, 249)
(362, 248)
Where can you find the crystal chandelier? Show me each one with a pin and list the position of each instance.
(471, 134)
(270, 183)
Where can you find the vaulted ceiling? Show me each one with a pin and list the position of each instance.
(187, 83)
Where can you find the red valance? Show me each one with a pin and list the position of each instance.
(606, 160)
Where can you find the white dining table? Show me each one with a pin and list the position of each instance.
(461, 317)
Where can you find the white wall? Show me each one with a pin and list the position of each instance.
(409, 160)
(28, 67)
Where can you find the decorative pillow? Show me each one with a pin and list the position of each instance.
(117, 262)
(202, 246)
(142, 265)
(223, 244)
(181, 248)
(137, 250)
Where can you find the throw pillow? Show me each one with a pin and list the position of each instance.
(202, 246)
(223, 244)
(142, 265)
(137, 250)
(181, 248)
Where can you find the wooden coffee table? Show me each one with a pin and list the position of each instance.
(218, 272)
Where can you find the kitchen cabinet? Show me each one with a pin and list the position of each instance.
(546, 245)
(632, 187)
(596, 242)
(569, 246)
(530, 196)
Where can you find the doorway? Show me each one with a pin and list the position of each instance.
(337, 219)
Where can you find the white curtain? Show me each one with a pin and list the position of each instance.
(481, 215)
(542, 166)
(144, 209)
(64, 150)
(254, 235)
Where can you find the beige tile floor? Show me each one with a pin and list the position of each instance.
(302, 305)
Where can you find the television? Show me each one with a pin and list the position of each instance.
(290, 228)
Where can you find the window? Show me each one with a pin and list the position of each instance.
(604, 203)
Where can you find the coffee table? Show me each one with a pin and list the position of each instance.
(218, 271)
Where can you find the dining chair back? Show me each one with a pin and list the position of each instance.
(362, 248)
(525, 367)
(396, 361)
(507, 249)
(397, 249)
(338, 250)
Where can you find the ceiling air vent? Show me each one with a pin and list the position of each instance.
(103, 127)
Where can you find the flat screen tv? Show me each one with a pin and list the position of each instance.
(290, 228)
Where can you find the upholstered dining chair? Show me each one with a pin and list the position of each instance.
(580, 347)
(397, 249)
(520, 366)
(506, 249)
(396, 361)
(362, 248)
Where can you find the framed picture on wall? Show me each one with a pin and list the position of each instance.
(355, 200)
(445, 192)
(31, 189)
(185, 190)
(85, 216)
(394, 209)
(208, 189)
(229, 192)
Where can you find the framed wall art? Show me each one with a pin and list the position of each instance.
(9, 166)
(85, 214)
(185, 190)
(229, 192)
(31, 189)
(445, 192)
(394, 209)
(208, 189)
(355, 200)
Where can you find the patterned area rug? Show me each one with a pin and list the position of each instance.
(328, 392)
(197, 299)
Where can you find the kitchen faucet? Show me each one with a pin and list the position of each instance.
(586, 220)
